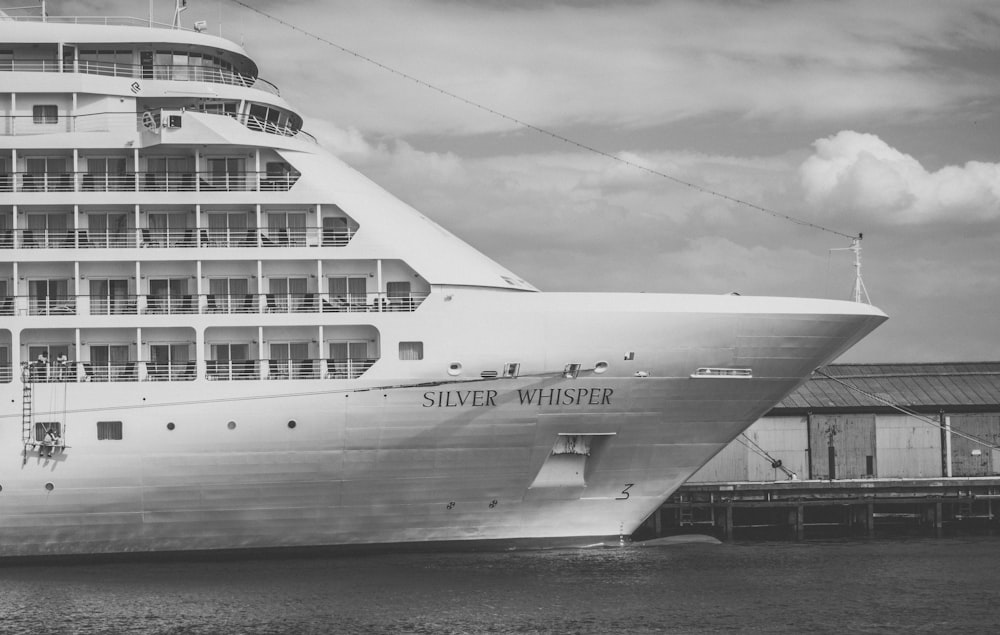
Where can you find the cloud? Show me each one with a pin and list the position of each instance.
(851, 172)
(618, 65)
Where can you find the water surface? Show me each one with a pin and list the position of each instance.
(923, 586)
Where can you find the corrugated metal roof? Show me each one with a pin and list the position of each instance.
(920, 386)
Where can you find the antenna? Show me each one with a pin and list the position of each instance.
(859, 293)
(180, 6)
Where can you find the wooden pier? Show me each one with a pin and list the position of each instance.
(822, 509)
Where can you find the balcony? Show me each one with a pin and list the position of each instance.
(210, 304)
(146, 182)
(174, 238)
(215, 370)
(111, 372)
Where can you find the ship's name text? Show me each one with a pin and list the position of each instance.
(532, 397)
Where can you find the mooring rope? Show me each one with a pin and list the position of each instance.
(906, 411)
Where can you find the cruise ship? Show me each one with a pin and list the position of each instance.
(214, 335)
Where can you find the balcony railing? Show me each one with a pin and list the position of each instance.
(232, 370)
(174, 238)
(119, 371)
(215, 370)
(146, 182)
(210, 304)
(171, 371)
(65, 305)
(113, 305)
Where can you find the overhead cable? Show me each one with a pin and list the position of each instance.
(539, 129)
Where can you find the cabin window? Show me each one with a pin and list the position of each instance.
(169, 362)
(45, 113)
(168, 228)
(6, 372)
(169, 295)
(109, 296)
(110, 362)
(230, 295)
(398, 290)
(230, 229)
(109, 430)
(288, 294)
(38, 353)
(398, 297)
(110, 229)
(226, 174)
(409, 351)
(348, 289)
(336, 231)
(348, 360)
(47, 174)
(50, 297)
(106, 174)
(169, 174)
(290, 360)
(231, 361)
(110, 62)
(287, 228)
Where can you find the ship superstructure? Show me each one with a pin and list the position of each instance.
(215, 335)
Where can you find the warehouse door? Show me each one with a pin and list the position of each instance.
(841, 446)
(968, 457)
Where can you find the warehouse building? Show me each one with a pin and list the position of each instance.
(857, 450)
(840, 425)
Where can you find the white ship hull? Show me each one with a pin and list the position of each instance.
(213, 335)
(382, 460)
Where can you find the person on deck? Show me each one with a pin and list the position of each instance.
(50, 442)
(41, 371)
(61, 366)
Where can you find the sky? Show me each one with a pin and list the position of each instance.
(879, 118)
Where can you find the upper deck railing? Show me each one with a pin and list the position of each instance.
(17, 125)
(112, 20)
(175, 72)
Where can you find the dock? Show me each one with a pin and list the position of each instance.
(858, 450)
(798, 510)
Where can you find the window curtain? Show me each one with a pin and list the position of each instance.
(99, 297)
(409, 351)
(158, 225)
(297, 229)
(239, 286)
(397, 290)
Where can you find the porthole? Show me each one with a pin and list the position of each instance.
(231, 425)
(170, 426)
(292, 424)
(455, 369)
(600, 367)
(50, 486)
